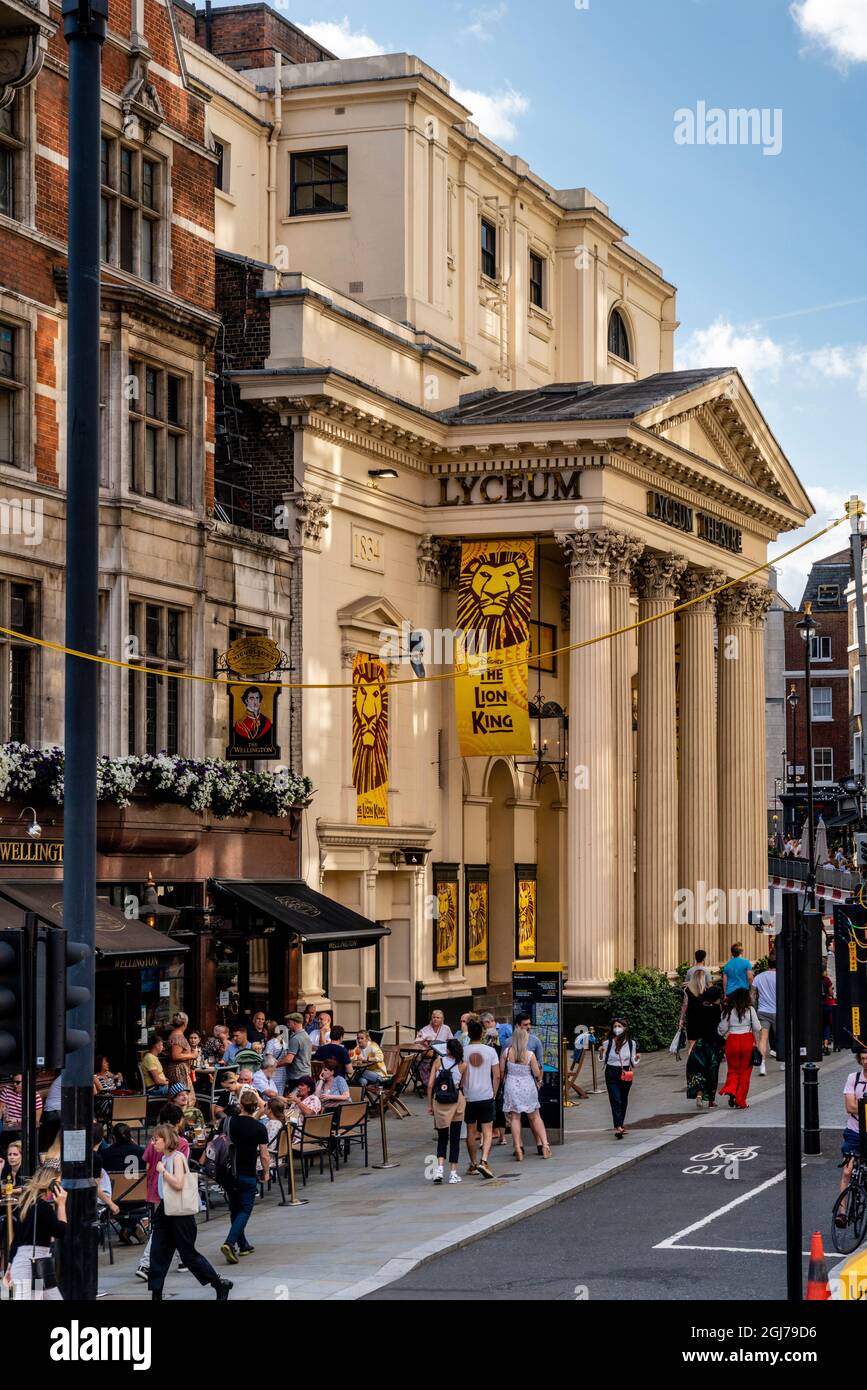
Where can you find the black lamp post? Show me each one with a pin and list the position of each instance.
(792, 700)
(807, 628)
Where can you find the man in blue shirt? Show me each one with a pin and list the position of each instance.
(737, 973)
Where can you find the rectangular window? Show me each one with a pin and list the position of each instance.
(821, 702)
(319, 182)
(11, 154)
(156, 701)
(221, 173)
(856, 755)
(10, 391)
(19, 663)
(820, 648)
(537, 281)
(489, 249)
(159, 434)
(856, 690)
(828, 593)
(823, 764)
(130, 213)
(104, 377)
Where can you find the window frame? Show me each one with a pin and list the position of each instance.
(488, 254)
(142, 611)
(817, 644)
(537, 285)
(822, 690)
(144, 426)
(17, 389)
(121, 206)
(31, 731)
(13, 146)
(313, 183)
(817, 776)
(629, 355)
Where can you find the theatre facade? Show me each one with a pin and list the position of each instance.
(472, 375)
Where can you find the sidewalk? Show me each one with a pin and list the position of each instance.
(370, 1226)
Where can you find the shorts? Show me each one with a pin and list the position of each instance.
(767, 1020)
(479, 1112)
(851, 1146)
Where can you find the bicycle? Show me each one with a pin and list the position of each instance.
(851, 1206)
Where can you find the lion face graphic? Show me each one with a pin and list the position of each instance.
(495, 597)
(369, 727)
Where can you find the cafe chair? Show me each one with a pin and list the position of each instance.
(131, 1110)
(391, 1089)
(350, 1126)
(317, 1141)
(356, 1093)
(281, 1153)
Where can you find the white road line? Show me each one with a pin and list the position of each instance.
(731, 1249)
(669, 1242)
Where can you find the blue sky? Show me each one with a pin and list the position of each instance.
(759, 245)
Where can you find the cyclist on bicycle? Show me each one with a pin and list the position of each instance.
(854, 1090)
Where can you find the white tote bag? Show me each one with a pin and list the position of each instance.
(183, 1201)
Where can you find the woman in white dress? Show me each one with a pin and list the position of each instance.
(521, 1093)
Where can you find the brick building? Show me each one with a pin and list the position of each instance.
(830, 696)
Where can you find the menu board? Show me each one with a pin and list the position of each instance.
(538, 991)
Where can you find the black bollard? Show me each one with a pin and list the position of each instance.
(812, 1132)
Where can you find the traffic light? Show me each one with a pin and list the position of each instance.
(11, 1000)
(62, 955)
(810, 947)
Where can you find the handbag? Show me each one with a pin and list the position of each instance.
(41, 1266)
(182, 1201)
(757, 1057)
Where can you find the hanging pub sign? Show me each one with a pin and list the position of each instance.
(494, 600)
(477, 899)
(253, 720)
(525, 911)
(253, 703)
(370, 740)
(445, 887)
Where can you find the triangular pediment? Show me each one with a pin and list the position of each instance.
(721, 423)
(368, 624)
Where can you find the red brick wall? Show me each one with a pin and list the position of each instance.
(246, 36)
(835, 734)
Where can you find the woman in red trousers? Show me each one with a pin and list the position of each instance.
(741, 1028)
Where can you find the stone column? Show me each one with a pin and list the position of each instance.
(657, 876)
(697, 816)
(743, 865)
(625, 552)
(590, 855)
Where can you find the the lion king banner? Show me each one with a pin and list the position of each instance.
(370, 740)
(494, 602)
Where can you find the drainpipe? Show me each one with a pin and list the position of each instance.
(273, 141)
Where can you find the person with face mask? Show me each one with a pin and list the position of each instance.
(620, 1056)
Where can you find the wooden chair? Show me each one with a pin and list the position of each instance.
(282, 1154)
(317, 1140)
(315, 1069)
(356, 1093)
(350, 1125)
(131, 1110)
(129, 1190)
(392, 1089)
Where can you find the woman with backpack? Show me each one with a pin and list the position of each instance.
(522, 1079)
(172, 1231)
(620, 1056)
(446, 1102)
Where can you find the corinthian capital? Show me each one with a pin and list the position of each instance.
(696, 582)
(734, 606)
(658, 576)
(625, 553)
(759, 598)
(588, 552)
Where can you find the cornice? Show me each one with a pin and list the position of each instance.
(352, 428)
(648, 466)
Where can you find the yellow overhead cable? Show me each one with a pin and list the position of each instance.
(420, 680)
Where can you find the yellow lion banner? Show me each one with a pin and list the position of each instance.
(370, 740)
(495, 595)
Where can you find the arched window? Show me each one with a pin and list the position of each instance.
(618, 338)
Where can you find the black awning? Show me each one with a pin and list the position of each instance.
(320, 923)
(116, 935)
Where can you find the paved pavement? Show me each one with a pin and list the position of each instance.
(371, 1227)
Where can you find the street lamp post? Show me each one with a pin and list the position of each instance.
(807, 629)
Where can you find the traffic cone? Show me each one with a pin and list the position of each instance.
(818, 1287)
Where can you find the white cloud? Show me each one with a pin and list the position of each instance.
(725, 345)
(841, 364)
(840, 26)
(792, 573)
(481, 26)
(338, 38)
(495, 113)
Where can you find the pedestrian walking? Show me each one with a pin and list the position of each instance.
(523, 1077)
(249, 1138)
(41, 1221)
(170, 1114)
(620, 1057)
(176, 1233)
(702, 1064)
(697, 985)
(741, 1029)
(481, 1079)
(737, 973)
(765, 989)
(447, 1103)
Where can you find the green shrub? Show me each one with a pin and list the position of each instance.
(649, 1003)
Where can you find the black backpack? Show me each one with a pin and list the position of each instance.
(445, 1090)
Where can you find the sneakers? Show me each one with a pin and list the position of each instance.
(472, 1170)
(453, 1178)
(142, 1273)
(763, 1071)
(246, 1249)
(438, 1175)
(224, 1287)
(229, 1253)
(485, 1169)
